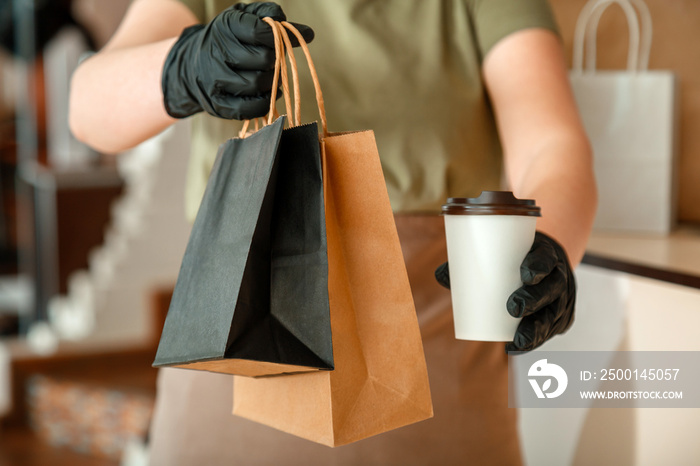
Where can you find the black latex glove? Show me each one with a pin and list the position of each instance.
(547, 298)
(225, 67)
(545, 301)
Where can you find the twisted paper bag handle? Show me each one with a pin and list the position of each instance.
(282, 44)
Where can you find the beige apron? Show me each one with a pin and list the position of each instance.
(193, 424)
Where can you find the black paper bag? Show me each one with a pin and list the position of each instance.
(252, 294)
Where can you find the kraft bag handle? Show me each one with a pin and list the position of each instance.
(282, 45)
(587, 28)
(280, 73)
(312, 69)
(296, 117)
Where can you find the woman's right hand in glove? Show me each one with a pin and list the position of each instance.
(225, 67)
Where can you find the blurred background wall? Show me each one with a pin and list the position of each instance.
(674, 47)
(101, 17)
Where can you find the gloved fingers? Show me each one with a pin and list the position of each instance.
(249, 57)
(262, 9)
(244, 83)
(548, 305)
(250, 28)
(239, 108)
(532, 331)
(247, 28)
(244, 56)
(442, 275)
(529, 299)
(538, 328)
(274, 11)
(306, 32)
(524, 336)
(539, 261)
(563, 322)
(511, 347)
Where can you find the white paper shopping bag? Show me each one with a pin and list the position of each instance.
(631, 119)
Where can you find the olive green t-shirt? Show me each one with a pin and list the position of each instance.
(408, 69)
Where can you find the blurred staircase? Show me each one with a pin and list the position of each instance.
(92, 388)
(143, 248)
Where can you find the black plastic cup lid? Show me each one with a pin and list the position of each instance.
(491, 203)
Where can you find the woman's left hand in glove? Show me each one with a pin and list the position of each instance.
(547, 298)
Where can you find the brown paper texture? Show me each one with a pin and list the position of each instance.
(380, 381)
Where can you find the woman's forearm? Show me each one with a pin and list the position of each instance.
(560, 178)
(116, 98)
(547, 154)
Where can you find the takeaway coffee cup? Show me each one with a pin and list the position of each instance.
(487, 240)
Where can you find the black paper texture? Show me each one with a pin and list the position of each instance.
(253, 284)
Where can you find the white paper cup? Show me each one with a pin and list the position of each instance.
(487, 240)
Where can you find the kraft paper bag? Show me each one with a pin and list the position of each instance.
(380, 380)
(251, 297)
(631, 117)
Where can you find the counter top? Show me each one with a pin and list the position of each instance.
(674, 258)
